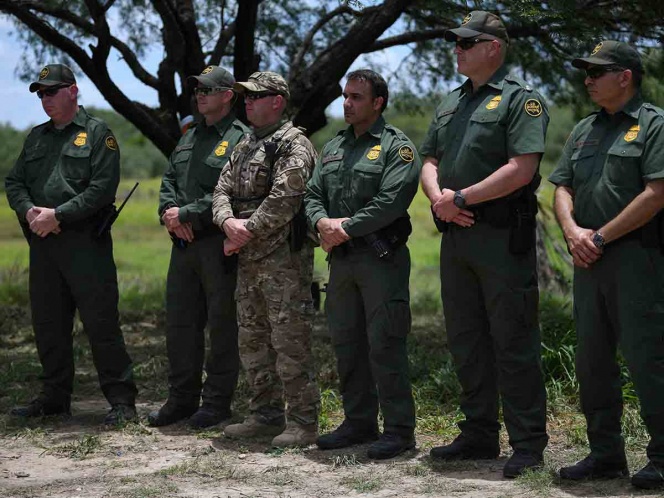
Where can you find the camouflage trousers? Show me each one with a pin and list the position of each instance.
(274, 319)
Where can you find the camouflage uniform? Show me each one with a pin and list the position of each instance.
(273, 291)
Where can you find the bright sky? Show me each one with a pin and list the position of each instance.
(22, 109)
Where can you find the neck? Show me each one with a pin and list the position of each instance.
(361, 128)
(66, 119)
(267, 129)
(481, 79)
(214, 118)
(618, 104)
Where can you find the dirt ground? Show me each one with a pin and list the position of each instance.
(79, 458)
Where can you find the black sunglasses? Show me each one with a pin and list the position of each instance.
(50, 92)
(596, 72)
(468, 43)
(207, 90)
(258, 96)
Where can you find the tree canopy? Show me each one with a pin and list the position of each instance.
(312, 43)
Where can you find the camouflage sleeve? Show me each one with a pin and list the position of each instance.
(291, 173)
(397, 188)
(18, 194)
(314, 198)
(104, 180)
(222, 208)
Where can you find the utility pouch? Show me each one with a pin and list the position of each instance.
(523, 224)
(298, 230)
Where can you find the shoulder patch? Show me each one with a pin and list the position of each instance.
(295, 181)
(111, 143)
(406, 153)
(533, 107)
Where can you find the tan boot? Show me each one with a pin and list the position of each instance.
(296, 435)
(254, 426)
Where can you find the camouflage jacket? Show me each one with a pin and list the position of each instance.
(264, 182)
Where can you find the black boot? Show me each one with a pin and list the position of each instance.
(347, 434)
(120, 413)
(649, 477)
(591, 468)
(40, 407)
(208, 416)
(390, 445)
(465, 448)
(520, 461)
(170, 413)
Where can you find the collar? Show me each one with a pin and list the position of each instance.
(268, 129)
(376, 129)
(80, 118)
(632, 108)
(496, 81)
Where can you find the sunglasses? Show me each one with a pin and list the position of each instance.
(50, 92)
(596, 72)
(468, 43)
(258, 96)
(207, 90)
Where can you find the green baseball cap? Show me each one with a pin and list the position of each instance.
(478, 22)
(214, 76)
(612, 53)
(264, 81)
(52, 75)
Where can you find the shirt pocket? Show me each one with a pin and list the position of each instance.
(366, 181)
(34, 162)
(330, 172)
(486, 133)
(583, 160)
(442, 130)
(75, 163)
(211, 171)
(623, 166)
(180, 161)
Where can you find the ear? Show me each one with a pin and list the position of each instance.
(626, 77)
(73, 91)
(378, 103)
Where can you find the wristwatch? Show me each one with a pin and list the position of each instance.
(459, 200)
(598, 240)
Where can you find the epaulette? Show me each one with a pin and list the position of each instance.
(653, 108)
(515, 79)
(396, 132)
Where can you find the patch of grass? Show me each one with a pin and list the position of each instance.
(539, 482)
(331, 409)
(79, 449)
(362, 484)
(214, 467)
(148, 491)
(340, 461)
(416, 470)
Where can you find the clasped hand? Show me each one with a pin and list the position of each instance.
(445, 209)
(42, 221)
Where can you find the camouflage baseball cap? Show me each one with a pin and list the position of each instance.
(213, 76)
(52, 75)
(612, 53)
(476, 23)
(264, 81)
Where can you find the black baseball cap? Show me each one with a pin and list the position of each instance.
(53, 75)
(476, 23)
(612, 53)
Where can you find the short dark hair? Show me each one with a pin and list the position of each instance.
(377, 82)
(637, 78)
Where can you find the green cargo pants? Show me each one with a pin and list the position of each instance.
(368, 314)
(200, 291)
(619, 300)
(73, 271)
(490, 299)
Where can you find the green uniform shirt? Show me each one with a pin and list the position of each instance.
(75, 170)
(371, 179)
(608, 159)
(194, 168)
(473, 135)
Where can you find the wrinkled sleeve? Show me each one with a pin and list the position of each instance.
(104, 180)
(168, 190)
(18, 194)
(563, 175)
(292, 171)
(314, 198)
(222, 208)
(653, 152)
(397, 188)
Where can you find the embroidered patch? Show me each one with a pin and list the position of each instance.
(597, 48)
(295, 182)
(81, 139)
(221, 148)
(632, 133)
(111, 143)
(493, 103)
(207, 70)
(407, 154)
(467, 19)
(43, 73)
(374, 152)
(533, 107)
